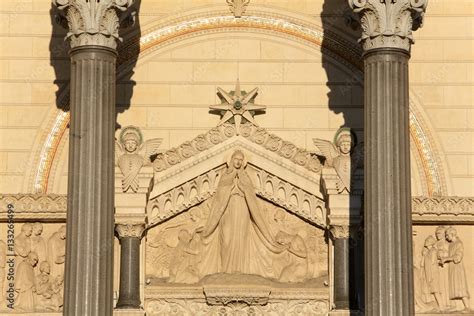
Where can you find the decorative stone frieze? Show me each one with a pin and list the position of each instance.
(92, 22)
(34, 206)
(388, 23)
(241, 296)
(443, 209)
(223, 132)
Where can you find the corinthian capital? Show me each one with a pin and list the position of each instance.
(388, 23)
(92, 22)
(130, 230)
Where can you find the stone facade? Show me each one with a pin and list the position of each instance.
(304, 58)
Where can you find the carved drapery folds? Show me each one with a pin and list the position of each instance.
(92, 22)
(388, 23)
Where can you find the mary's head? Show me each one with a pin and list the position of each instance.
(237, 160)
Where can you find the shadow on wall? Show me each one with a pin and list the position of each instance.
(128, 52)
(345, 97)
(59, 58)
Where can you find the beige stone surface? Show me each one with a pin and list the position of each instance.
(175, 84)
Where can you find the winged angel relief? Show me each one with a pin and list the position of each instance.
(344, 155)
(132, 154)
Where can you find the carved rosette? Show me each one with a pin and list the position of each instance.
(388, 23)
(92, 22)
(130, 230)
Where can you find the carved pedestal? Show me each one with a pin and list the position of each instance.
(130, 236)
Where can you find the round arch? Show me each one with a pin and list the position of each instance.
(158, 35)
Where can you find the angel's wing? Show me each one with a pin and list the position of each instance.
(150, 148)
(118, 150)
(358, 156)
(326, 149)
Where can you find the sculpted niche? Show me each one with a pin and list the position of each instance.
(235, 233)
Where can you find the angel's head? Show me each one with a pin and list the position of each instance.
(131, 139)
(344, 141)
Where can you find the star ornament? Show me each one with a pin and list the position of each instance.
(237, 105)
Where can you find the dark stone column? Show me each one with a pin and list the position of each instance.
(129, 295)
(90, 220)
(386, 39)
(388, 243)
(341, 273)
(93, 34)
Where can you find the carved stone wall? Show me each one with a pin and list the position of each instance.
(443, 270)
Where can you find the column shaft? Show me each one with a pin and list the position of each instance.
(129, 295)
(387, 213)
(341, 273)
(90, 220)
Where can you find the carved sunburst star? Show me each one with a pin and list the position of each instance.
(237, 104)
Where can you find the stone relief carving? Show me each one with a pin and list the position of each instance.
(28, 206)
(249, 131)
(236, 106)
(133, 154)
(388, 23)
(443, 208)
(92, 22)
(237, 110)
(38, 279)
(130, 230)
(290, 197)
(278, 307)
(267, 186)
(340, 231)
(234, 232)
(344, 155)
(441, 282)
(183, 197)
(238, 7)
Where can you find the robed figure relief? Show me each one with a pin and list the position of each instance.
(237, 236)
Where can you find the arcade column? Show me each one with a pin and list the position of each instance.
(386, 39)
(93, 34)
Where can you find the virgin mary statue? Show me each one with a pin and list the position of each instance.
(237, 237)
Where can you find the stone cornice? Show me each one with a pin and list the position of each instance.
(34, 206)
(424, 209)
(92, 22)
(443, 209)
(388, 23)
(217, 135)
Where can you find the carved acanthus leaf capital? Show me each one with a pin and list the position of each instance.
(340, 231)
(388, 23)
(130, 230)
(92, 22)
